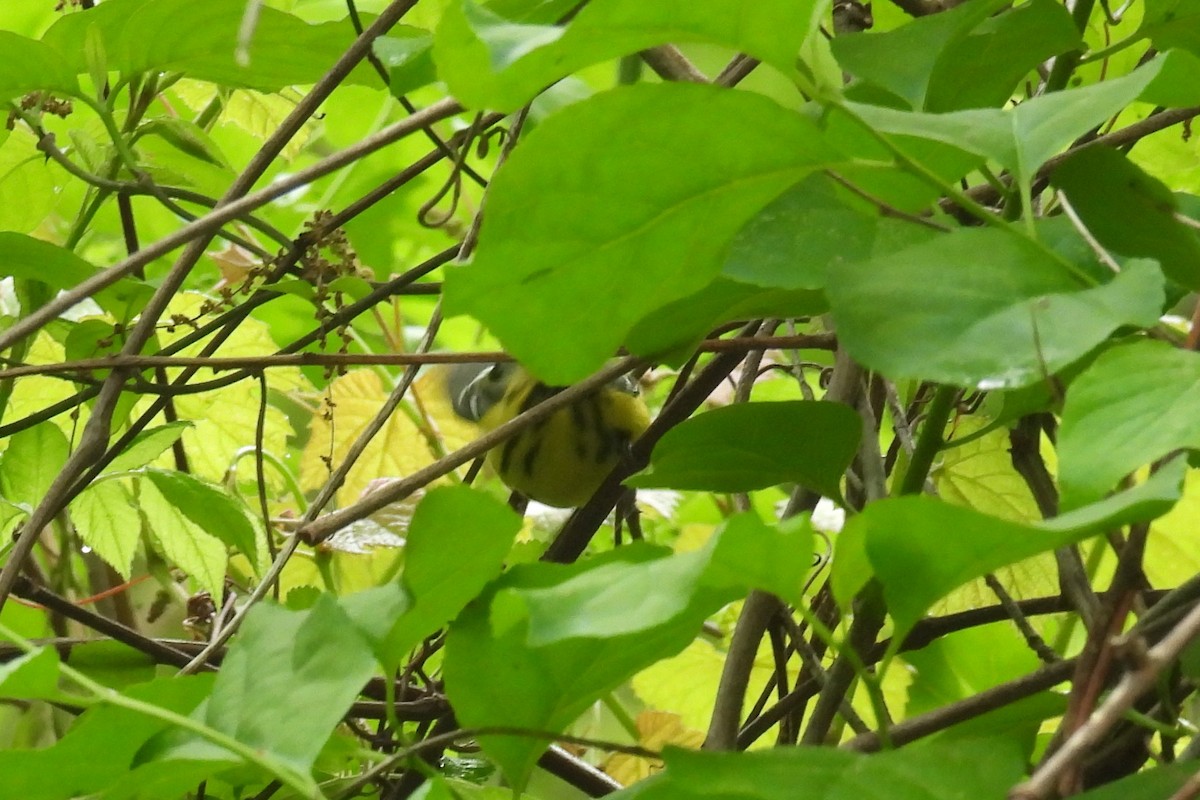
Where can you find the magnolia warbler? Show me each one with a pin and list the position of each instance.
(563, 459)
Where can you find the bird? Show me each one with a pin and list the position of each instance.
(562, 459)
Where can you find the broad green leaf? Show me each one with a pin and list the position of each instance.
(983, 68)
(964, 663)
(408, 54)
(29, 66)
(1129, 211)
(750, 553)
(750, 446)
(147, 446)
(558, 637)
(33, 676)
(922, 771)
(457, 543)
(1146, 501)
(33, 459)
(981, 307)
(1022, 138)
(1157, 781)
(618, 231)
(491, 62)
(185, 543)
(107, 521)
(58, 268)
(284, 660)
(28, 185)
(672, 332)
(186, 137)
(902, 60)
(920, 549)
(1177, 84)
(99, 750)
(802, 237)
(209, 507)
(1172, 23)
(1135, 404)
(201, 39)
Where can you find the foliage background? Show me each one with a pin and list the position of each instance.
(932, 261)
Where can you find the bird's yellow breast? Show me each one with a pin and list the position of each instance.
(563, 459)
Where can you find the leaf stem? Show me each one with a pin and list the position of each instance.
(930, 441)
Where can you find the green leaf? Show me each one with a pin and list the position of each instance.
(147, 446)
(618, 231)
(902, 60)
(107, 521)
(186, 137)
(1162, 781)
(558, 637)
(983, 68)
(491, 62)
(1177, 84)
(184, 543)
(283, 661)
(1129, 211)
(33, 459)
(30, 65)
(774, 558)
(1022, 138)
(33, 676)
(99, 750)
(201, 39)
(1135, 404)
(209, 507)
(802, 237)
(408, 55)
(1006, 320)
(58, 268)
(1172, 23)
(672, 332)
(920, 549)
(921, 771)
(440, 579)
(750, 446)
(1146, 501)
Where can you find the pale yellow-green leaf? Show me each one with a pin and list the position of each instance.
(398, 449)
(225, 420)
(896, 681)
(181, 541)
(26, 183)
(980, 475)
(251, 112)
(108, 522)
(656, 730)
(32, 393)
(1173, 550)
(687, 683)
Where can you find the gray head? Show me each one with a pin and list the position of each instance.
(475, 388)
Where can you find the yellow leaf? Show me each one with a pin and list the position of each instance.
(656, 730)
(399, 448)
(687, 683)
(1174, 545)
